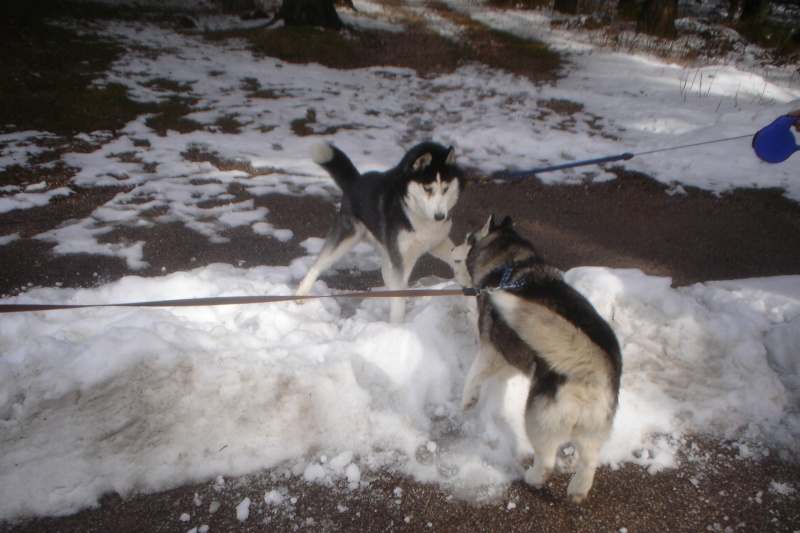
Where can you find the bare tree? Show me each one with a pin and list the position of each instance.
(566, 6)
(733, 8)
(310, 13)
(658, 18)
(628, 9)
(753, 12)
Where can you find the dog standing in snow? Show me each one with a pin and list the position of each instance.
(531, 321)
(404, 212)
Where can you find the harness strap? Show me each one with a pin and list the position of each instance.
(505, 282)
(506, 271)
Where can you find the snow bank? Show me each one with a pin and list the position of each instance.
(115, 399)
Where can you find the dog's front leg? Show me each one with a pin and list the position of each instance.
(395, 280)
(487, 363)
(459, 255)
(342, 237)
(397, 309)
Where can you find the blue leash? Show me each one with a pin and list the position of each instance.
(598, 161)
(773, 144)
(609, 159)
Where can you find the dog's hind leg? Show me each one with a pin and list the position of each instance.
(545, 433)
(543, 464)
(588, 448)
(342, 237)
(487, 363)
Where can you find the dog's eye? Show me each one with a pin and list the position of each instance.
(428, 189)
(444, 189)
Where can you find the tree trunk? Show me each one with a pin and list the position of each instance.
(658, 18)
(628, 10)
(566, 6)
(310, 13)
(753, 12)
(733, 9)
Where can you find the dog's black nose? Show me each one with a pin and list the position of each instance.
(439, 217)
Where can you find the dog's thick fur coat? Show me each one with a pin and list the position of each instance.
(531, 321)
(404, 212)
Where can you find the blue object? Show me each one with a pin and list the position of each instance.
(776, 143)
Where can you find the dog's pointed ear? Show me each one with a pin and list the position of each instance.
(488, 227)
(507, 223)
(451, 156)
(422, 162)
(475, 236)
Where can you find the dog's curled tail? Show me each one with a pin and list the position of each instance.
(335, 162)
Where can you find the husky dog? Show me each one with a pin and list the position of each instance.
(404, 212)
(531, 321)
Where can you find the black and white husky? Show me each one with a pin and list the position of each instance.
(530, 320)
(404, 212)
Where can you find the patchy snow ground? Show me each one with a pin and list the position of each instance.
(100, 400)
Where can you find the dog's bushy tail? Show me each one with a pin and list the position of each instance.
(336, 163)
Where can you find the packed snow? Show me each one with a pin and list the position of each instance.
(126, 399)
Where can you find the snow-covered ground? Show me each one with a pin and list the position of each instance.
(113, 399)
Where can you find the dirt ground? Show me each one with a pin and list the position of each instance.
(630, 222)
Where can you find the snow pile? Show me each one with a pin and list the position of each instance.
(117, 399)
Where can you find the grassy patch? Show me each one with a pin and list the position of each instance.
(344, 50)
(416, 48)
(228, 124)
(172, 116)
(521, 56)
(308, 125)
(166, 85)
(303, 127)
(198, 155)
(782, 39)
(519, 4)
(47, 80)
(561, 106)
(253, 86)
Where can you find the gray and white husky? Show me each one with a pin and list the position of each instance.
(404, 212)
(531, 321)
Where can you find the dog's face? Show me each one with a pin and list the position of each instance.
(434, 184)
(470, 261)
(461, 252)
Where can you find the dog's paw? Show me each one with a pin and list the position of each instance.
(469, 401)
(536, 477)
(576, 497)
(525, 460)
(579, 486)
(304, 289)
(300, 292)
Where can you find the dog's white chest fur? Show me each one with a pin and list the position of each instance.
(426, 235)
